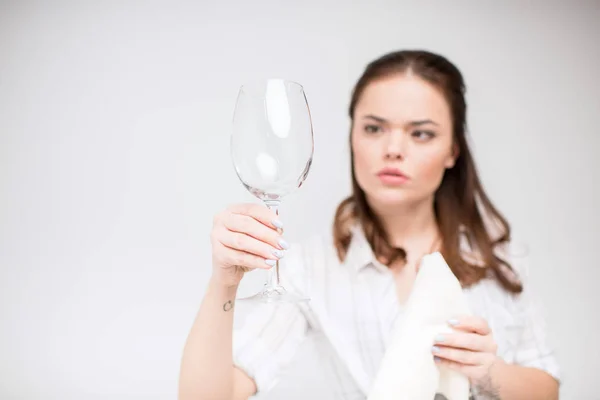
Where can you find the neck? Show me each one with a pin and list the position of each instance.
(409, 225)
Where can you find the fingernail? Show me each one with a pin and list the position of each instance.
(437, 359)
(278, 224)
(439, 338)
(284, 245)
(278, 253)
(435, 349)
(271, 262)
(453, 322)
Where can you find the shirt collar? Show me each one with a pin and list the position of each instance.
(361, 256)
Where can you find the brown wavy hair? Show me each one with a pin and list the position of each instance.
(462, 208)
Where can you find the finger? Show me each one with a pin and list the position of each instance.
(461, 356)
(453, 365)
(248, 244)
(471, 323)
(249, 226)
(232, 257)
(466, 370)
(464, 340)
(260, 213)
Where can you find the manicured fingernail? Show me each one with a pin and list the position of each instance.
(439, 338)
(453, 322)
(271, 262)
(284, 245)
(437, 359)
(278, 224)
(278, 253)
(435, 349)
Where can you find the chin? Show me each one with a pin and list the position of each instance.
(395, 198)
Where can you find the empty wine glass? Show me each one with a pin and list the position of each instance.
(272, 149)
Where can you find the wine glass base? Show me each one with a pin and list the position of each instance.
(275, 295)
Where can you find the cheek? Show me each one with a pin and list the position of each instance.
(365, 163)
(362, 156)
(430, 169)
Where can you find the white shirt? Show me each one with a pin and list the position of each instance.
(354, 307)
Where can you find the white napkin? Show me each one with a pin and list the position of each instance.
(408, 371)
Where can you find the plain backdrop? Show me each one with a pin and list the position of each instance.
(114, 155)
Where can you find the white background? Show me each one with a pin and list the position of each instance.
(114, 124)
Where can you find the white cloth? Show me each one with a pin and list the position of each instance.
(351, 314)
(408, 371)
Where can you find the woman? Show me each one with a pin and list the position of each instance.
(415, 191)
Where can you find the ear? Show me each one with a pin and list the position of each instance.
(453, 157)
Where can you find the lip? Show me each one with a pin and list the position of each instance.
(392, 176)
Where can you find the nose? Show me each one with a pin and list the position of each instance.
(396, 146)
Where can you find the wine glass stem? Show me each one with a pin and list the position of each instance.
(273, 280)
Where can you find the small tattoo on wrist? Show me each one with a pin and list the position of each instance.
(228, 306)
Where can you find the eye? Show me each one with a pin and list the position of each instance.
(423, 135)
(372, 128)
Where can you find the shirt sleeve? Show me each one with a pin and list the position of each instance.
(533, 348)
(267, 340)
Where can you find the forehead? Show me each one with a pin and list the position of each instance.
(403, 98)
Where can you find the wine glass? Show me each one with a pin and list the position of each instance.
(271, 149)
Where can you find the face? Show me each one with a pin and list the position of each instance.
(402, 141)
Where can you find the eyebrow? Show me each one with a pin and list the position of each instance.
(422, 122)
(411, 123)
(378, 119)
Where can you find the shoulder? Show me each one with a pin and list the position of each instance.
(514, 259)
(513, 256)
(490, 298)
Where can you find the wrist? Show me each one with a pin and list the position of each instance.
(496, 368)
(220, 284)
(487, 385)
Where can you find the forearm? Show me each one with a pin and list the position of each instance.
(514, 382)
(207, 362)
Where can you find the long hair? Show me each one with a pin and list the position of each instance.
(462, 208)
